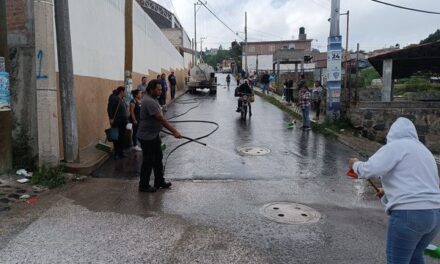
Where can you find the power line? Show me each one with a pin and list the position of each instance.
(407, 8)
(219, 18)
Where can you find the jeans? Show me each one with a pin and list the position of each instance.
(265, 87)
(306, 118)
(163, 98)
(409, 233)
(152, 161)
(173, 91)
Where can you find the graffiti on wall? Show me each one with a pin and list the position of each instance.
(40, 74)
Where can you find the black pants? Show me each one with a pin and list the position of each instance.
(119, 144)
(289, 95)
(135, 129)
(317, 107)
(152, 160)
(163, 98)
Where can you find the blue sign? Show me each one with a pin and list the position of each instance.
(5, 93)
(334, 62)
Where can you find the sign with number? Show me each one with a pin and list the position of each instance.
(5, 93)
(334, 62)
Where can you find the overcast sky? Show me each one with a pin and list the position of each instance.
(373, 25)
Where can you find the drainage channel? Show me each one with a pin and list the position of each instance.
(253, 151)
(290, 213)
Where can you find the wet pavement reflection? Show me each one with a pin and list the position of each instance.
(295, 154)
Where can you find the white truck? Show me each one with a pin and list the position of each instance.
(202, 76)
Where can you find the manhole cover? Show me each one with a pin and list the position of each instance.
(290, 213)
(253, 151)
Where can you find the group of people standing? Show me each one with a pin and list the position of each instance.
(145, 113)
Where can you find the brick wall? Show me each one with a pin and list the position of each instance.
(16, 15)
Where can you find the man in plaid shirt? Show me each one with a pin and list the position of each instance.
(304, 103)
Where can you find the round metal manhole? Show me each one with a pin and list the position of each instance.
(253, 151)
(290, 213)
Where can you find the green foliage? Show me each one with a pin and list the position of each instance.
(218, 58)
(49, 176)
(432, 37)
(234, 53)
(367, 75)
(22, 151)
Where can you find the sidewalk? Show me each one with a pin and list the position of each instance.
(361, 145)
(92, 158)
(293, 107)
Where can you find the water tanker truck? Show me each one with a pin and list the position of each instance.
(202, 76)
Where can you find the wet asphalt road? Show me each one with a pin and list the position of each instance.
(211, 214)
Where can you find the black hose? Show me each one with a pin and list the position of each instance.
(189, 140)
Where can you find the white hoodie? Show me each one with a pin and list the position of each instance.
(407, 169)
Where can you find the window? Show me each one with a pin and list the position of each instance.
(272, 48)
(251, 49)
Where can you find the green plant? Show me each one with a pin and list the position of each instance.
(367, 75)
(49, 176)
(22, 152)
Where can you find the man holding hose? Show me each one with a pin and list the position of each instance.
(410, 180)
(151, 123)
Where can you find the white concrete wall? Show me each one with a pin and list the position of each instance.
(265, 63)
(97, 30)
(151, 49)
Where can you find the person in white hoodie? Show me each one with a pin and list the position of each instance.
(410, 181)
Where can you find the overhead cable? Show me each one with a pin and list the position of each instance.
(407, 8)
(235, 33)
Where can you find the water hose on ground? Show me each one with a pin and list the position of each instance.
(189, 140)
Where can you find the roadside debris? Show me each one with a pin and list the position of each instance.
(24, 173)
(24, 197)
(24, 180)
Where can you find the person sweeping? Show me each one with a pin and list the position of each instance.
(411, 192)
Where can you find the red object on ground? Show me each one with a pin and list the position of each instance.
(352, 174)
(32, 200)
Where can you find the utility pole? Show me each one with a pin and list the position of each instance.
(334, 49)
(245, 44)
(5, 116)
(256, 67)
(357, 74)
(128, 81)
(347, 59)
(201, 48)
(66, 82)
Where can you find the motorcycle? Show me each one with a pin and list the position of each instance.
(245, 106)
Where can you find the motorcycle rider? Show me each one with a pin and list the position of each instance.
(243, 89)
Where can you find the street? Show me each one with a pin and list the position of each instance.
(212, 212)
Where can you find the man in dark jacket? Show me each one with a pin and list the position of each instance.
(243, 89)
(265, 80)
(118, 116)
(172, 80)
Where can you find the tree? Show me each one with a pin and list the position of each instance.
(432, 38)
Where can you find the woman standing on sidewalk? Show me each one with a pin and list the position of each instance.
(317, 93)
(411, 193)
(135, 115)
(304, 104)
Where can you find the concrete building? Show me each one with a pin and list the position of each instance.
(170, 27)
(98, 47)
(261, 54)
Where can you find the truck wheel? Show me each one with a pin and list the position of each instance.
(212, 91)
